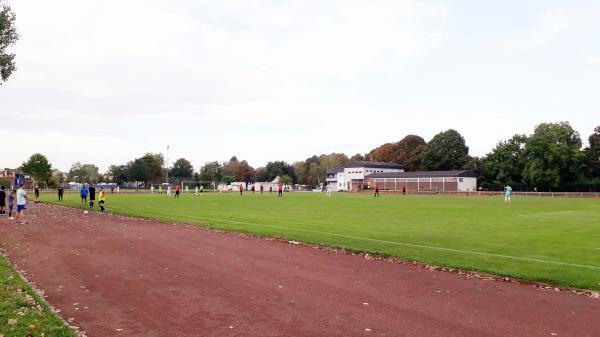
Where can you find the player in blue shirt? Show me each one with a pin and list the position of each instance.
(83, 193)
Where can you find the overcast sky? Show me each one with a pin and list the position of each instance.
(105, 81)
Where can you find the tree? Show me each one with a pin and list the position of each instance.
(211, 172)
(285, 179)
(505, 164)
(279, 168)
(57, 178)
(244, 172)
(38, 167)
(155, 164)
(410, 152)
(182, 169)
(260, 174)
(553, 156)
(118, 173)
(84, 173)
(139, 170)
(229, 167)
(592, 155)
(333, 160)
(388, 153)
(357, 157)
(8, 37)
(446, 151)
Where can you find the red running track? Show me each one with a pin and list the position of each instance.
(117, 276)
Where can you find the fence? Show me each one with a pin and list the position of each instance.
(500, 193)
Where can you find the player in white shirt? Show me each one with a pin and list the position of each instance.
(21, 204)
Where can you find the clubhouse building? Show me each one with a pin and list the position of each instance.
(425, 181)
(358, 175)
(352, 176)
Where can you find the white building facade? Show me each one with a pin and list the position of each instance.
(352, 176)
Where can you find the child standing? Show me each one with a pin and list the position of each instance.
(102, 200)
(11, 202)
(21, 204)
(83, 193)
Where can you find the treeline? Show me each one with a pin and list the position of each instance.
(551, 158)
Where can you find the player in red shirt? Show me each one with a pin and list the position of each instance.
(280, 189)
(261, 188)
(376, 190)
(241, 189)
(177, 191)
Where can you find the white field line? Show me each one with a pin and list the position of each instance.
(520, 258)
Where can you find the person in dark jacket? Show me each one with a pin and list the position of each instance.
(92, 191)
(2, 201)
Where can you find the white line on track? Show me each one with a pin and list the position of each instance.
(520, 258)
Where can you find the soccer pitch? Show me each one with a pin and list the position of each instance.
(552, 240)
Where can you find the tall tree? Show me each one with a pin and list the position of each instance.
(332, 160)
(244, 172)
(388, 153)
(446, 151)
(182, 169)
(139, 170)
(84, 173)
(229, 166)
(211, 172)
(38, 167)
(279, 168)
(410, 152)
(553, 156)
(592, 155)
(505, 164)
(260, 174)
(357, 157)
(8, 37)
(118, 173)
(155, 163)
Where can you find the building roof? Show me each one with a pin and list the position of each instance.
(335, 170)
(425, 174)
(373, 164)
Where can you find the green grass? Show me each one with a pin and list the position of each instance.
(551, 240)
(22, 312)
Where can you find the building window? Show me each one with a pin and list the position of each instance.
(460, 180)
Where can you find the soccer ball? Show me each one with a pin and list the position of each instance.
(85, 212)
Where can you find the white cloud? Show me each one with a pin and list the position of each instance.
(107, 81)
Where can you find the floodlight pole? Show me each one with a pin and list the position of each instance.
(167, 166)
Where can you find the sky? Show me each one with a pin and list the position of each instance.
(104, 82)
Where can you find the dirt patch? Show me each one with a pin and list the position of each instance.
(119, 276)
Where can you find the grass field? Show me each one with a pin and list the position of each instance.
(552, 240)
(22, 313)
